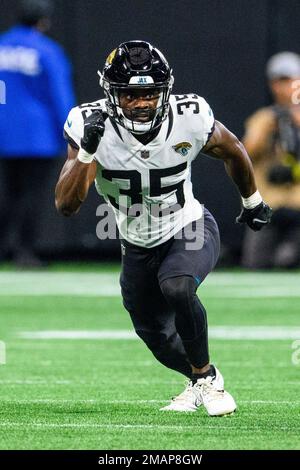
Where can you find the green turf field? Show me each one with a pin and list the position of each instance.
(90, 392)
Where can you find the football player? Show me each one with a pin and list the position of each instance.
(138, 144)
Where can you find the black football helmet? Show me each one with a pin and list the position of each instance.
(136, 65)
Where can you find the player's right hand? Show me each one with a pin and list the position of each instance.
(93, 131)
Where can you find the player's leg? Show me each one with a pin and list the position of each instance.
(184, 267)
(151, 316)
(180, 274)
(190, 319)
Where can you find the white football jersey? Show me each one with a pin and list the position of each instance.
(149, 186)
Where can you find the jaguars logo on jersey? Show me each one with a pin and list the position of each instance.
(182, 148)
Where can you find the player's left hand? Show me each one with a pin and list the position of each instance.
(257, 217)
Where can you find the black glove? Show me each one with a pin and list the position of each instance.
(280, 174)
(93, 131)
(256, 218)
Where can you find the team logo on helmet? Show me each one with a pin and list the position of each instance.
(182, 148)
(111, 56)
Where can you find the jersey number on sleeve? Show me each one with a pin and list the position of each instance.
(87, 108)
(186, 104)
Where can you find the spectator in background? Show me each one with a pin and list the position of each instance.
(39, 94)
(272, 139)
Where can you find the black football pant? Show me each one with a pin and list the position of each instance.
(159, 291)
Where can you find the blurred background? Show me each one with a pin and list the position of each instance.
(218, 49)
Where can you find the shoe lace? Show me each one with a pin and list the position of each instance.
(207, 389)
(186, 392)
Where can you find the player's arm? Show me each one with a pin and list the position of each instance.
(225, 146)
(79, 171)
(74, 182)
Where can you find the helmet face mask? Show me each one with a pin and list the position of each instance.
(140, 120)
(135, 67)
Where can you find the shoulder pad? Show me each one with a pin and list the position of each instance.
(196, 113)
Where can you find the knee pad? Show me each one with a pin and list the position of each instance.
(178, 290)
(190, 314)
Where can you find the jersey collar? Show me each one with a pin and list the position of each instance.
(158, 140)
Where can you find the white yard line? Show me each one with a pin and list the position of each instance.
(79, 334)
(154, 427)
(47, 401)
(47, 283)
(35, 382)
(215, 332)
(224, 285)
(254, 332)
(90, 383)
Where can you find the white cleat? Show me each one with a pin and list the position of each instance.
(208, 392)
(188, 400)
(215, 399)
